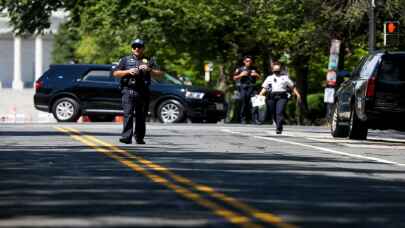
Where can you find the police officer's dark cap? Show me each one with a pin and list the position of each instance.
(137, 43)
(248, 57)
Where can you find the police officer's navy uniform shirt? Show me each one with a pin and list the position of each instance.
(131, 61)
(278, 84)
(246, 80)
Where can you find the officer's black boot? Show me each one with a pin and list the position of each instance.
(125, 140)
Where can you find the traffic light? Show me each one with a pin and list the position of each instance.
(391, 27)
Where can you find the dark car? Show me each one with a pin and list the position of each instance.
(372, 98)
(72, 90)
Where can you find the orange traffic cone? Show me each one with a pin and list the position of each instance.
(84, 119)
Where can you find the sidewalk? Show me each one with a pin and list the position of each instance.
(17, 106)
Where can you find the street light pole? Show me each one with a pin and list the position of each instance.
(371, 26)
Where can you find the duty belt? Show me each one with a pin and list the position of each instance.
(278, 95)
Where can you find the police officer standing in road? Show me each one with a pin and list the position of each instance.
(276, 87)
(135, 73)
(246, 77)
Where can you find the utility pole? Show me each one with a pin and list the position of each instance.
(371, 26)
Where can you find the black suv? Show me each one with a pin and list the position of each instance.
(72, 90)
(373, 97)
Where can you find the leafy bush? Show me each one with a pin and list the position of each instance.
(290, 111)
(315, 114)
(316, 108)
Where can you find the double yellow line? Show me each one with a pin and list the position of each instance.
(243, 215)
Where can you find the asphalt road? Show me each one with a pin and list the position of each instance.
(190, 175)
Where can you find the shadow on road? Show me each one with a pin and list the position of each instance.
(74, 186)
(308, 191)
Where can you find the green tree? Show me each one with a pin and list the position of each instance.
(32, 16)
(184, 35)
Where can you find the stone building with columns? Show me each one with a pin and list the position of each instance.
(24, 59)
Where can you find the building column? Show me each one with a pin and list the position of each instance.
(39, 56)
(17, 80)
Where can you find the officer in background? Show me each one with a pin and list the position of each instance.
(135, 73)
(246, 77)
(276, 87)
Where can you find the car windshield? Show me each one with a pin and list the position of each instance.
(168, 79)
(393, 68)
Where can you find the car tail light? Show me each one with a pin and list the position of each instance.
(371, 82)
(38, 84)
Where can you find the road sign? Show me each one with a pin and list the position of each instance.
(208, 66)
(391, 33)
(332, 69)
(331, 78)
(391, 27)
(329, 96)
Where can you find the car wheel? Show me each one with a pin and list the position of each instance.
(66, 110)
(358, 129)
(170, 111)
(338, 129)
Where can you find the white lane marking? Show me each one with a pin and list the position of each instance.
(318, 148)
(372, 142)
(326, 135)
(374, 146)
(369, 139)
(303, 134)
(386, 139)
(379, 144)
(332, 140)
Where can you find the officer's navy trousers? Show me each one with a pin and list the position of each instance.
(134, 105)
(246, 93)
(276, 106)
